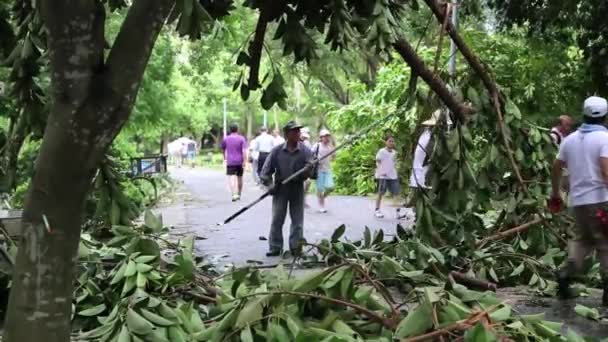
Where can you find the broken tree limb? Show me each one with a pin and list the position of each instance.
(501, 235)
(463, 279)
(418, 67)
(486, 78)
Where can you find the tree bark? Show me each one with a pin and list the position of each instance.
(409, 55)
(14, 144)
(90, 102)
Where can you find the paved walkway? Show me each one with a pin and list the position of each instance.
(206, 201)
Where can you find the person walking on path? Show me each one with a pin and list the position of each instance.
(561, 131)
(584, 154)
(263, 144)
(253, 159)
(305, 139)
(325, 181)
(234, 146)
(420, 163)
(386, 174)
(283, 161)
(278, 139)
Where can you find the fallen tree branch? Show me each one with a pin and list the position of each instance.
(458, 326)
(463, 279)
(501, 235)
(388, 323)
(418, 67)
(486, 78)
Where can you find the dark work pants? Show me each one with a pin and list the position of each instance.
(288, 196)
(261, 160)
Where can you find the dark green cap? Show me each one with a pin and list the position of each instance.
(291, 125)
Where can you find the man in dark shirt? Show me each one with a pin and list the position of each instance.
(285, 160)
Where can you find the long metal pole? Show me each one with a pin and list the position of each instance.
(266, 119)
(225, 118)
(453, 47)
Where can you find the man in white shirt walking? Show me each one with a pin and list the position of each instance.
(585, 155)
(264, 143)
(386, 174)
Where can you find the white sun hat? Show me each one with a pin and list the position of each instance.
(324, 132)
(434, 118)
(595, 107)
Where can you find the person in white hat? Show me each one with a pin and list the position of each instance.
(325, 182)
(420, 165)
(584, 154)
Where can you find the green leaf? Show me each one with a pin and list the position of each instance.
(586, 312)
(501, 314)
(512, 109)
(367, 237)
(124, 335)
(145, 259)
(120, 274)
(131, 269)
(143, 268)
(138, 324)
(94, 311)
(246, 335)
(518, 270)
(251, 312)
(154, 222)
(416, 322)
(334, 278)
(142, 280)
(479, 334)
(310, 281)
(338, 233)
(243, 58)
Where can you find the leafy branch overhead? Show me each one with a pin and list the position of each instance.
(299, 26)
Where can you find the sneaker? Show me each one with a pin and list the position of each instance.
(322, 210)
(235, 198)
(401, 216)
(379, 214)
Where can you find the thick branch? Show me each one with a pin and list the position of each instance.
(481, 71)
(510, 232)
(133, 46)
(409, 55)
(255, 51)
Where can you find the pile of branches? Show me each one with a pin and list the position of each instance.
(374, 289)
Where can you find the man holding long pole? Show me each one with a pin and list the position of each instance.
(284, 161)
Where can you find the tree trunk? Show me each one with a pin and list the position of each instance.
(14, 144)
(41, 293)
(90, 102)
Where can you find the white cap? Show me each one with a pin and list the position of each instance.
(434, 118)
(306, 135)
(324, 132)
(595, 107)
(305, 130)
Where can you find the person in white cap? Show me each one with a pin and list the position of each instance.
(325, 182)
(420, 166)
(584, 154)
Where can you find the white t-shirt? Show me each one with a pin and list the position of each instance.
(278, 140)
(581, 153)
(386, 167)
(252, 150)
(419, 170)
(264, 143)
(321, 150)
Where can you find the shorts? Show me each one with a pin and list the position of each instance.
(390, 185)
(234, 170)
(325, 182)
(191, 155)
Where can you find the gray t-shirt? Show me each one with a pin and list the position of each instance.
(582, 152)
(283, 163)
(386, 164)
(321, 150)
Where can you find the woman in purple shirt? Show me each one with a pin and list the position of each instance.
(234, 146)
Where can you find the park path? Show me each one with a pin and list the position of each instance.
(204, 199)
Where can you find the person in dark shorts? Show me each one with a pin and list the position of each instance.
(234, 146)
(386, 174)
